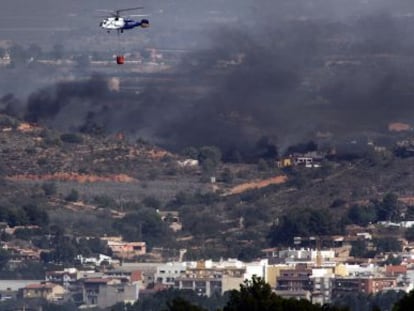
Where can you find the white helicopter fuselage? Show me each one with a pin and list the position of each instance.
(113, 23)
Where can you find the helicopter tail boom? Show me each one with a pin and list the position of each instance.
(144, 23)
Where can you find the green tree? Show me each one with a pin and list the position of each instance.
(143, 225)
(208, 167)
(92, 246)
(174, 298)
(190, 152)
(73, 196)
(180, 304)
(388, 244)
(104, 201)
(49, 188)
(36, 215)
(209, 157)
(362, 215)
(393, 260)
(254, 295)
(4, 258)
(409, 234)
(64, 249)
(152, 202)
(406, 303)
(17, 217)
(359, 248)
(388, 209)
(302, 223)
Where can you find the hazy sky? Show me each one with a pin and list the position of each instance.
(46, 21)
(284, 88)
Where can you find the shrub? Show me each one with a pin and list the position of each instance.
(71, 138)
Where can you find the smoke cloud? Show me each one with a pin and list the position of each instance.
(284, 70)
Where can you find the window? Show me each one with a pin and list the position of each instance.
(187, 284)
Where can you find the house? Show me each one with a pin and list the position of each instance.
(167, 273)
(206, 281)
(63, 278)
(20, 254)
(188, 163)
(105, 292)
(395, 270)
(49, 291)
(132, 276)
(9, 289)
(364, 284)
(303, 160)
(309, 159)
(97, 260)
(270, 252)
(306, 255)
(125, 250)
(172, 218)
(284, 162)
(291, 280)
(314, 284)
(273, 272)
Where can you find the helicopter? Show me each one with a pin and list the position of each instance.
(120, 23)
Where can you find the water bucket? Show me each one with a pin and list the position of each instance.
(120, 59)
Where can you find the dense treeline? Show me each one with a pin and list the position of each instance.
(29, 213)
(303, 223)
(313, 202)
(322, 222)
(256, 295)
(253, 295)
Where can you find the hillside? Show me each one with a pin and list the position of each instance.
(34, 154)
(120, 186)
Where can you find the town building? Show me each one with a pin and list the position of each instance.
(206, 281)
(366, 285)
(48, 291)
(64, 277)
(105, 292)
(125, 250)
(167, 273)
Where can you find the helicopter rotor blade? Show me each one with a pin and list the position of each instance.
(128, 9)
(107, 13)
(139, 15)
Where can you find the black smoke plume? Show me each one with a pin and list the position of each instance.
(283, 78)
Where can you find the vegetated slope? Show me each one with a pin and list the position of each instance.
(134, 179)
(33, 150)
(317, 200)
(30, 153)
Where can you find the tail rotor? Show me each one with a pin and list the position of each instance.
(144, 23)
